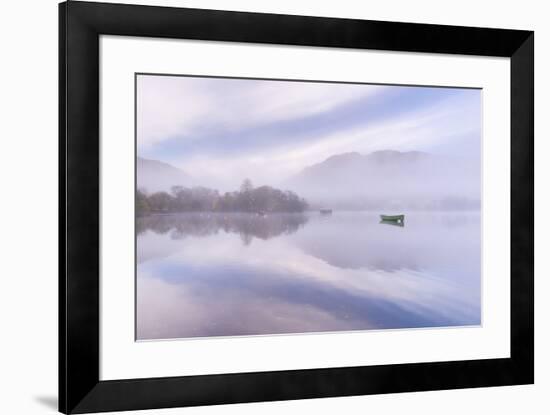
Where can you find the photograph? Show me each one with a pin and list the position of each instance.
(271, 206)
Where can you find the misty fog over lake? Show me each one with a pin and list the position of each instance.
(274, 207)
(216, 274)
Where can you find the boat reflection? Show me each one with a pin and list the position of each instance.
(401, 224)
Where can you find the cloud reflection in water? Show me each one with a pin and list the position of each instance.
(229, 275)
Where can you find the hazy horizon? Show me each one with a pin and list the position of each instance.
(199, 182)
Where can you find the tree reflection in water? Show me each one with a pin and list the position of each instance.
(247, 225)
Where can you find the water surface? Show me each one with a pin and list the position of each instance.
(202, 274)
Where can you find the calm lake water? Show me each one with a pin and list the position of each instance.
(241, 274)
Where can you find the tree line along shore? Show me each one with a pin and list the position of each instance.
(248, 198)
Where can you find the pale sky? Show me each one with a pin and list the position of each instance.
(223, 130)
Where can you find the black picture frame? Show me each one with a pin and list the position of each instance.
(80, 26)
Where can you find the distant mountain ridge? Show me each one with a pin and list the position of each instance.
(154, 175)
(354, 159)
(389, 178)
(347, 164)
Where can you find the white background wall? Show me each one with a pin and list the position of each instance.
(28, 203)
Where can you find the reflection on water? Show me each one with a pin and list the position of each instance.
(243, 274)
(204, 224)
(392, 223)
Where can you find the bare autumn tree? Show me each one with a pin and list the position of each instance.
(247, 186)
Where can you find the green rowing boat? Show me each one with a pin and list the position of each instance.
(393, 218)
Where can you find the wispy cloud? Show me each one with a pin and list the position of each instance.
(190, 106)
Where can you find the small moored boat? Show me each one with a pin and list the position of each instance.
(325, 211)
(393, 218)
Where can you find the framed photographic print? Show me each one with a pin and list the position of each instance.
(260, 207)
